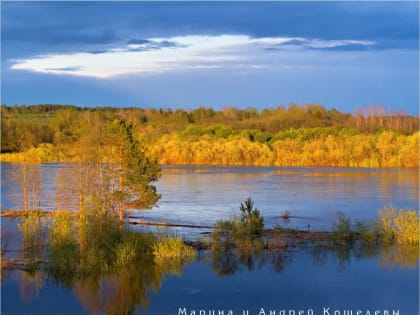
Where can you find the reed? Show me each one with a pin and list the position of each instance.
(400, 225)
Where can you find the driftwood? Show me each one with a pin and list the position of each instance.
(11, 213)
(20, 263)
(48, 213)
(135, 221)
(142, 222)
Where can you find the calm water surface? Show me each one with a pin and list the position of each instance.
(299, 278)
(298, 281)
(202, 195)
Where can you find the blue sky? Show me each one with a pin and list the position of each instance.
(189, 54)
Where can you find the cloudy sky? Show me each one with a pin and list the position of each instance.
(159, 54)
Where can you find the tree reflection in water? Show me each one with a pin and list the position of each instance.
(227, 260)
(127, 289)
(403, 256)
(123, 291)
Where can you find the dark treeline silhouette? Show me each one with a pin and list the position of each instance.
(23, 127)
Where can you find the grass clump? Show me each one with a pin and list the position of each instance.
(98, 236)
(32, 234)
(171, 254)
(62, 229)
(172, 248)
(93, 244)
(400, 225)
(368, 233)
(131, 247)
(226, 231)
(63, 252)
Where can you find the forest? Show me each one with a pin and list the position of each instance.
(293, 135)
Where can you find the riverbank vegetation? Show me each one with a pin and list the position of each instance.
(95, 243)
(249, 225)
(394, 236)
(93, 249)
(109, 268)
(307, 135)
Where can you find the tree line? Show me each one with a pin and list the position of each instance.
(308, 135)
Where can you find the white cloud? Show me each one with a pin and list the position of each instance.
(189, 52)
(316, 43)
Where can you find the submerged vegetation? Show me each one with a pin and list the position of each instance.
(117, 267)
(245, 230)
(399, 226)
(172, 251)
(394, 236)
(32, 233)
(285, 136)
(233, 249)
(95, 244)
(111, 270)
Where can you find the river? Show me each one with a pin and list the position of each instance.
(297, 279)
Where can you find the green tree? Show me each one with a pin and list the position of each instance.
(251, 218)
(132, 171)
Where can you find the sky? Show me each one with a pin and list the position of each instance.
(344, 55)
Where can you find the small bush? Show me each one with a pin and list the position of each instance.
(62, 229)
(172, 248)
(400, 225)
(249, 224)
(342, 228)
(251, 219)
(63, 258)
(95, 261)
(368, 232)
(125, 253)
(132, 246)
(225, 231)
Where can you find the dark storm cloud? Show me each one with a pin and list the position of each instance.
(93, 23)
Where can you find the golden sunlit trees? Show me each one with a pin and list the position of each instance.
(308, 135)
(301, 147)
(119, 169)
(409, 152)
(234, 150)
(295, 147)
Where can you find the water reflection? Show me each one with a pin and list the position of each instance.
(129, 290)
(126, 291)
(31, 283)
(402, 256)
(227, 261)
